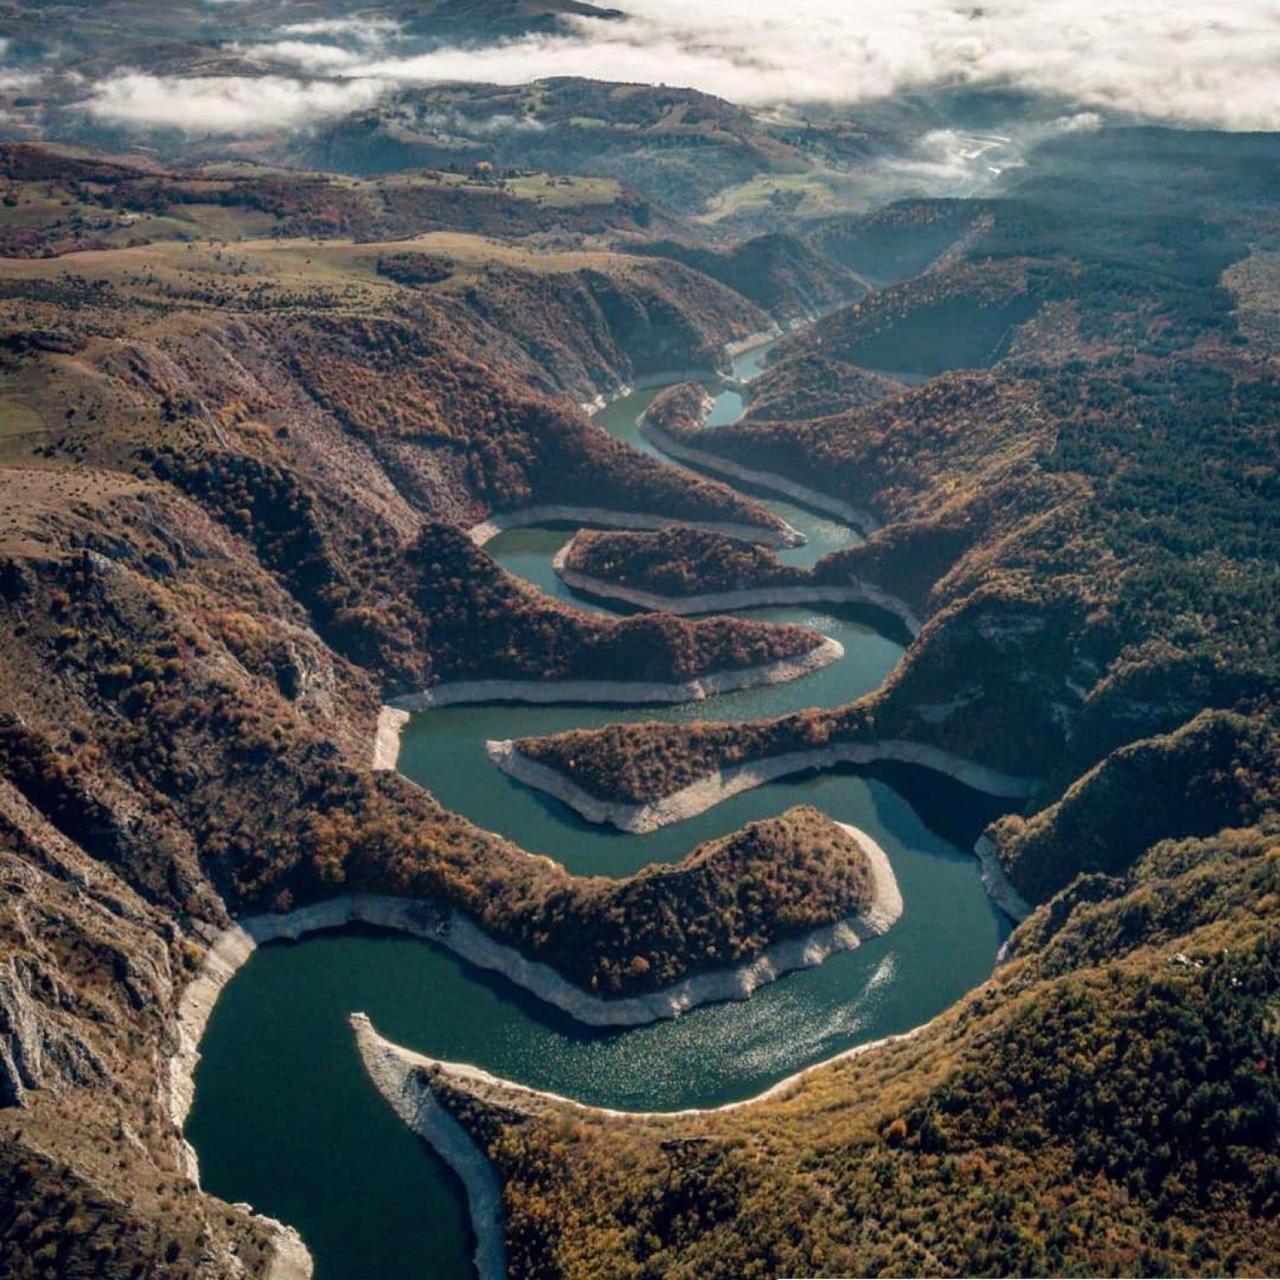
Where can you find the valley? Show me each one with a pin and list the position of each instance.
(761, 692)
(711, 1056)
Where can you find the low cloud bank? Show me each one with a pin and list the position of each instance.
(1182, 61)
(1191, 61)
(949, 162)
(225, 104)
(365, 30)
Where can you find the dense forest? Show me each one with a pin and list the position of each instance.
(678, 561)
(1064, 1118)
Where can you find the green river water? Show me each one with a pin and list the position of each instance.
(284, 1117)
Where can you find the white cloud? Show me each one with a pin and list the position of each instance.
(325, 46)
(1185, 61)
(1182, 60)
(950, 162)
(316, 58)
(363, 30)
(467, 126)
(10, 77)
(224, 104)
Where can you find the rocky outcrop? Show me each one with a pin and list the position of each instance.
(386, 738)
(20, 1043)
(36, 1050)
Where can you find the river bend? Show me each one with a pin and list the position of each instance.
(284, 1117)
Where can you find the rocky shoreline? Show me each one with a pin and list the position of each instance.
(386, 737)
(396, 1074)
(669, 377)
(730, 601)
(463, 1073)
(601, 517)
(708, 791)
(859, 517)
(740, 346)
(394, 715)
(228, 951)
(997, 883)
(400, 1075)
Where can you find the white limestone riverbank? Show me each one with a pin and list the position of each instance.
(601, 517)
(664, 378)
(386, 737)
(397, 1075)
(290, 1259)
(711, 789)
(997, 883)
(741, 346)
(858, 592)
(705, 373)
(464, 1074)
(402, 1076)
(395, 714)
(859, 517)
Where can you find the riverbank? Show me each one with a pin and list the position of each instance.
(859, 517)
(740, 346)
(997, 883)
(669, 377)
(462, 1073)
(227, 953)
(880, 915)
(403, 1077)
(625, 692)
(397, 1076)
(394, 715)
(730, 601)
(557, 513)
(711, 789)
(386, 737)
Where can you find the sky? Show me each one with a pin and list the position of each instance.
(1189, 62)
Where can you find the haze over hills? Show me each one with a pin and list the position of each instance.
(717, 557)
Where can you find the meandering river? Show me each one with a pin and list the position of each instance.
(284, 1116)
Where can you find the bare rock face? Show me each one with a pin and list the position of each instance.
(20, 1055)
(35, 1052)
